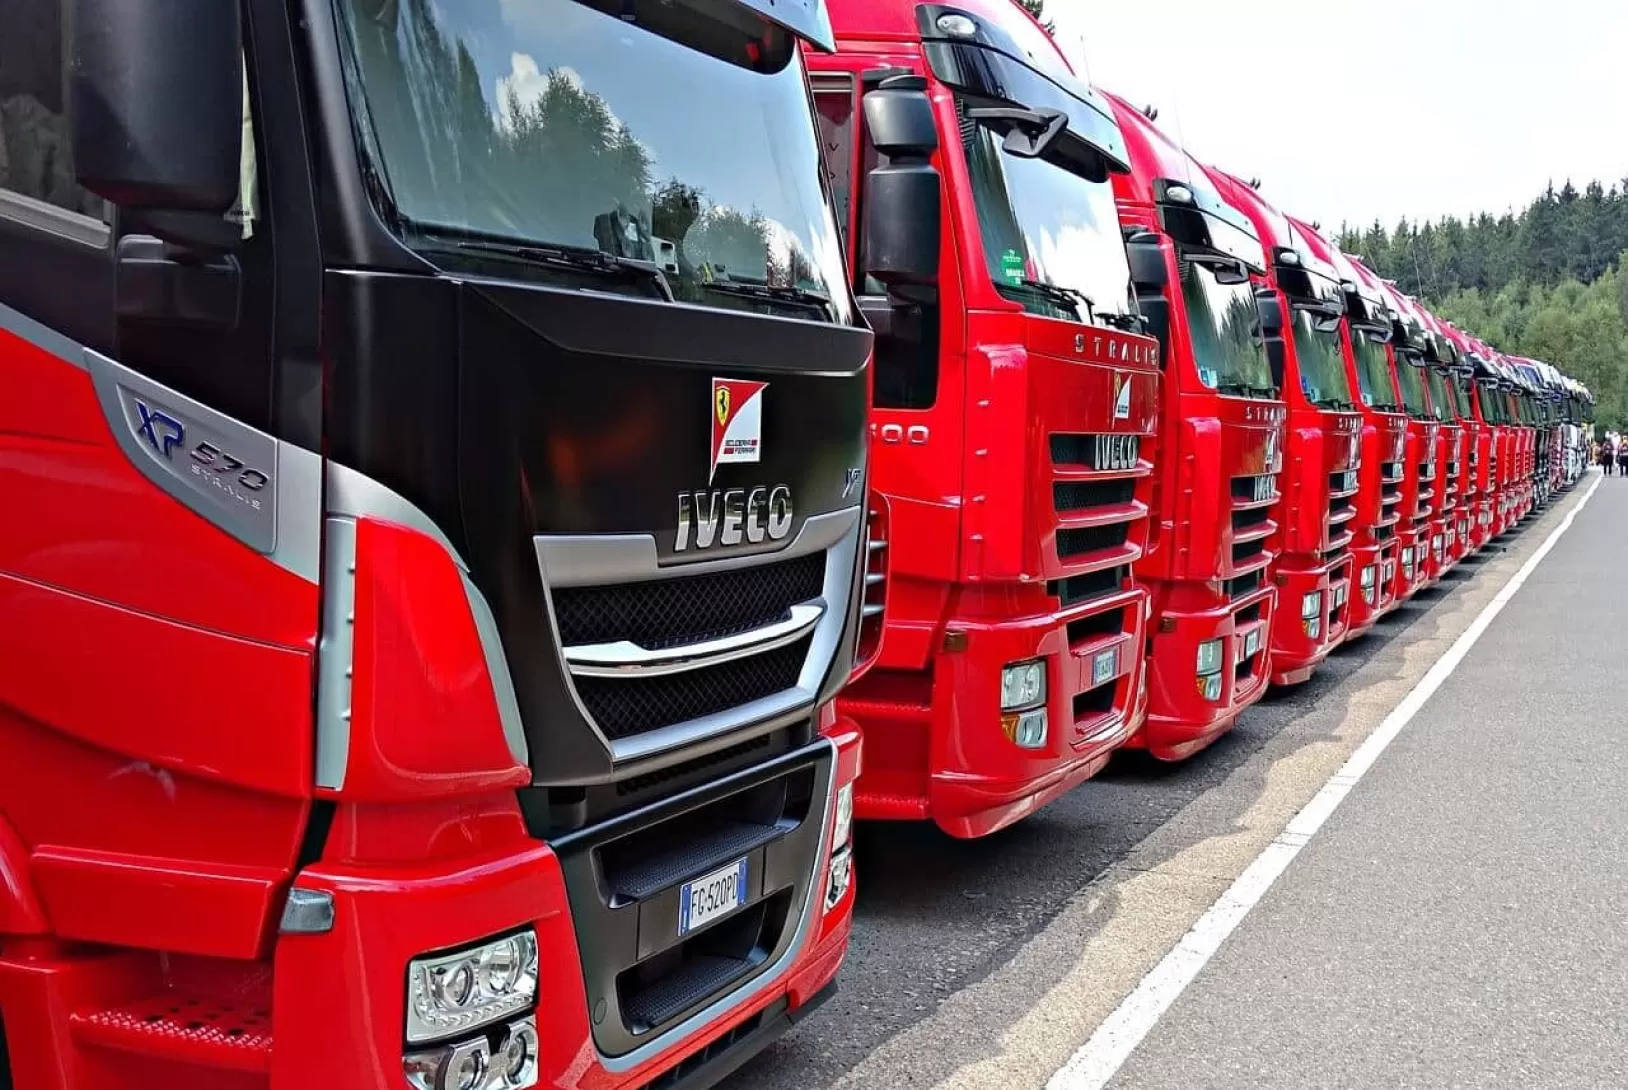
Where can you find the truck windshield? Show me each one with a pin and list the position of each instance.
(1409, 378)
(1051, 237)
(1322, 364)
(564, 141)
(1441, 402)
(1222, 319)
(1461, 397)
(1374, 372)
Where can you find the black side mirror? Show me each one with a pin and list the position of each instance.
(1028, 133)
(158, 104)
(903, 202)
(1149, 273)
(1270, 312)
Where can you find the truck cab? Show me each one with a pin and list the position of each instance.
(1456, 378)
(1194, 258)
(1322, 452)
(1440, 358)
(1015, 405)
(445, 450)
(1365, 334)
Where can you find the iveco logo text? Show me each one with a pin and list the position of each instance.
(1116, 451)
(733, 516)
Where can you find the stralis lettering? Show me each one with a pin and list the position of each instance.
(733, 516)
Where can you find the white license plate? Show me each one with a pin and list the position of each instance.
(1252, 642)
(1407, 556)
(1339, 595)
(1104, 666)
(1390, 570)
(712, 895)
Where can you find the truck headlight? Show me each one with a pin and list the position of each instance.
(1368, 575)
(1023, 685)
(475, 1064)
(1311, 605)
(842, 827)
(449, 994)
(1209, 657)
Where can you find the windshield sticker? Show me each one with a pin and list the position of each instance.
(1207, 375)
(1367, 399)
(1012, 267)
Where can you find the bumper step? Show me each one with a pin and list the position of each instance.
(189, 1029)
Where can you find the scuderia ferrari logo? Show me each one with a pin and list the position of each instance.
(737, 422)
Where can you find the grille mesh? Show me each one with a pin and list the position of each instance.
(628, 706)
(672, 612)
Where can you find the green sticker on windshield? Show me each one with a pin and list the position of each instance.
(1012, 267)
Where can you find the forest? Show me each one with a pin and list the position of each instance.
(1544, 281)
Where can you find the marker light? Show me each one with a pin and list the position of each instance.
(1179, 194)
(452, 993)
(957, 26)
(1289, 257)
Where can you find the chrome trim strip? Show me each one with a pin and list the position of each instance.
(92, 233)
(624, 658)
(589, 560)
(336, 653)
(719, 1008)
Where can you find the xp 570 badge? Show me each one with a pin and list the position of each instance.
(737, 422)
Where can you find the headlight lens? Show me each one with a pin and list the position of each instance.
(1368, 574)
(843, 826)
(1023, 685)
(452, 993)
(1311, 605)
(1209, 657)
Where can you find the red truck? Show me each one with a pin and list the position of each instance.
(1221, 425)
(1015, 405)
(1419, 492)
(444, 538)
(1322, 445)
(1453, 375)
(1438, 357)
(1375, 549)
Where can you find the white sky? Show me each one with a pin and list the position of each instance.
(1499, 96)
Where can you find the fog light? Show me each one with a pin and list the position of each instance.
(1023, 685)
(842, 877)
(449, 994)
(1368, 595)
(475, 1065)
(1026, 730)
(1368, 576)
(1209, 657)
(842, 826)
(1209, 687)
(1312, 605)
(1314, 627)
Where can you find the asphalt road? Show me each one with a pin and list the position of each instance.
(985, 965)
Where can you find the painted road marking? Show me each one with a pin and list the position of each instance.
(1101, 1057)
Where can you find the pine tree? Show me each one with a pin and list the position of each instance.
(1037, 9)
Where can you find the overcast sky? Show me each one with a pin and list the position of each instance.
(1465, 106)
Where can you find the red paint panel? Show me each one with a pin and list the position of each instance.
(92, 523)
(424, 717)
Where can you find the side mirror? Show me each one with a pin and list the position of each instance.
(1270, 312)
(903, 201)
(158, 103)
(1149, 273)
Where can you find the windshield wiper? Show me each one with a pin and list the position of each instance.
(576, 258)
(1338, 404)
(1067, 297)
(1244, 389)
(774, 293)
(1129, 323)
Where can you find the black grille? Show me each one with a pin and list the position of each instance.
(1091, 539)
(1082, 588)
(671, 612)
(628, 706)
(1080, 495)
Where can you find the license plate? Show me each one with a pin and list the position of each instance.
(1339, 595)
(1116, 452)
(1252, 642)
(1104, 666)
(1390, 570)
(711, 896)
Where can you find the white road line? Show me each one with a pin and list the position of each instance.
(1111, 1045)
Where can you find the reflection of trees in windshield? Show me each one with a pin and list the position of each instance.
(547, 161)
(1412, 382)
(1221, 323)
(1441, 402)
(1322, 365)
(1043, 224)
(1374, 372)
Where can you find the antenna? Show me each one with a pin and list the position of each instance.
(1255, 183)
(1151, 112)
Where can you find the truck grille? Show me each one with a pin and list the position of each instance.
(1099, 522)
(1390, 494)
(628, 706)
(666, 613)
(875, 596)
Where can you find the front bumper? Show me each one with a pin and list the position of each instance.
(1300, 643)
(1374, 600)
(339, 1001)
